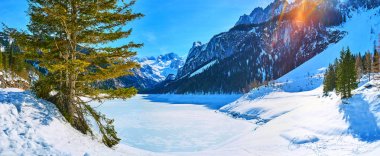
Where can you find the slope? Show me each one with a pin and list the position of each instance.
(35, 127)
(293, 117)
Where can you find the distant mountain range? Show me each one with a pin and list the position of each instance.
(263, 46)
(153, 71)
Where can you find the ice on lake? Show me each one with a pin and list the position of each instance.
(174, 123)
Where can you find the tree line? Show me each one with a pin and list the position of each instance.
(345, 73)
(14, 69)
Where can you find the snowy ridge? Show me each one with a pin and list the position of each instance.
(158, 68)
(153, 71)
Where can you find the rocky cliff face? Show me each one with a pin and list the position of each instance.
(259, 15)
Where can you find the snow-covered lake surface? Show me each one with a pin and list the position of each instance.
(174, 123)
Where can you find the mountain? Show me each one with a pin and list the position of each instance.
(253, 53)
(260, 15)
(309, 76)
(153, 71)
(295, 115)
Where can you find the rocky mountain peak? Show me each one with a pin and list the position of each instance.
(168, 57)
(259, 15)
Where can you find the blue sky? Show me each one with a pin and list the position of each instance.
(168, 25)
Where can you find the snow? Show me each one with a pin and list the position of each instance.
(292, 116)
(10, 77)
(305, 123)
(202, 69)
(163, 124)
(290, 123)
(157, 69)
(34, 127)
(287, 117)
(174, 123)
(358, 39)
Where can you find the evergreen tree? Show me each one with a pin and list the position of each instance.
(352, 73)
(340, 72)
(329, 83)
(376, 62)
(69, 38)
(368, 64)
(359, 66)
(346, 74)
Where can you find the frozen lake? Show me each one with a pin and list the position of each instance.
(174, 123)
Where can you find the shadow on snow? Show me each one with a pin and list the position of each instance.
(362, 122)
(213, 102)
(24, 99)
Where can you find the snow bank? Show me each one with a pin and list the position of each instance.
(307, 123)
(35, 127)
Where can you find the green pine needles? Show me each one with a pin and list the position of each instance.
(69, 38)
(343, 74)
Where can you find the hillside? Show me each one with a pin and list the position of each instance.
(35, 127)
(305, 123)
(293, 117)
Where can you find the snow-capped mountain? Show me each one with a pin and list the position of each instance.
(250, 54)
(158, 68)
(153, 71)
(317, 124)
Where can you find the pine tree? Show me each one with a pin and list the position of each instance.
(376, 62)
(69, 38)
(329, 83)
(346, 74)
(359, 66)
(340, 72)
(368, 65)
(352, 73)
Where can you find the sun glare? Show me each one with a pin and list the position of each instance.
(304, 11)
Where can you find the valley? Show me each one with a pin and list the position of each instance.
(298, 77)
